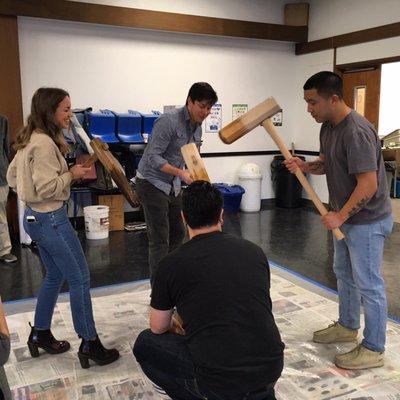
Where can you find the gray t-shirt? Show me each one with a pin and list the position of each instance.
(350, 148)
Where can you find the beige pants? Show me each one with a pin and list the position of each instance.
(5, 243)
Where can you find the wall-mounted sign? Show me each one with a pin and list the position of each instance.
(214, 120)
(277, 119)
(238, 110)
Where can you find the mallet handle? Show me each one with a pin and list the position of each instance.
(276, 137)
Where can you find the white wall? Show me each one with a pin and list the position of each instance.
(336, 17)
(369, 51)
(306, 133)
(119, 68)
(389, 115)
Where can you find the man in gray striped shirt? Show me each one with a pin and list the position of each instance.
(161, 171)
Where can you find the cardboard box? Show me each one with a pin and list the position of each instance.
(115, 202)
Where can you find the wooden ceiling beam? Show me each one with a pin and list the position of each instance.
(154, 20)
(348, 39)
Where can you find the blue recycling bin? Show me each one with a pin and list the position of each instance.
(232, 195)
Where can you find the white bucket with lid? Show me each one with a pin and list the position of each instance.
(96, 221)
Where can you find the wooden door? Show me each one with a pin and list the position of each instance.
(361, 91)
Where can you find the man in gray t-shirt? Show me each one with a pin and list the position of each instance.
(161, 170)
(350, 156)
(352, 147)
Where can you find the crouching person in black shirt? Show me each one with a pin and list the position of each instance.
(228, 346)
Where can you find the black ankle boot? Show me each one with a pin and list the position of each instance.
(45, 340)
(94, 350)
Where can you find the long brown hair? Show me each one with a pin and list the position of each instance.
(43, 107)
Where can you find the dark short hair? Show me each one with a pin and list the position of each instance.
(202, 91)
(201, 204)
(326, 83)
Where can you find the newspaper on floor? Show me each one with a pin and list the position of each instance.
(309, 370)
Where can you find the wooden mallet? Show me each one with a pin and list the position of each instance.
(260, 115)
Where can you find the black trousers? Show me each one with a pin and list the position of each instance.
(166, 360)
(165, 228)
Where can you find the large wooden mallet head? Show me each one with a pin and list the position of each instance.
(260, 115)
(247, 122)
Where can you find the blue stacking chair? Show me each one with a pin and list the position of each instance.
(102, 125)
(129, 127)
(148, 122)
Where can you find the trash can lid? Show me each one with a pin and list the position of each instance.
(249, 170)
(229, 190)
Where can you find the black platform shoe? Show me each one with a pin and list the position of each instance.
(44, 339)
(94, 350)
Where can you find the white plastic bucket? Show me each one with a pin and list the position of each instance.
(250, 179)
(96, 222)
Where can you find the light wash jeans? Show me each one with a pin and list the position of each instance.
(357, 265)
(63, 258)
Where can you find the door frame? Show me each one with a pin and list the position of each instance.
(377, 63)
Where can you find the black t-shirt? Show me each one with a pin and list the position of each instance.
(220, 287)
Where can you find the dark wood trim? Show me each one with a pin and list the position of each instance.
(334, 60)
(347, 39)
(10, 98)
(10, 76)
(314, 46)
(146, 19)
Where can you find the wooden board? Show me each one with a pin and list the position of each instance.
(245, 123)
(194, 163)
(114, 168)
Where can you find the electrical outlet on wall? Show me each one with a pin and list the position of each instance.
(277, 119)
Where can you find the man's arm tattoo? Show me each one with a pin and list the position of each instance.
(316, 167)
(361, 204)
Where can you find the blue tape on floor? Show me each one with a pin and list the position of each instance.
(95, 289)
(319, 285)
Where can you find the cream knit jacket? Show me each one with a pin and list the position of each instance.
(39, 174)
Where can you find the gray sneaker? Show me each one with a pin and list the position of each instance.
(8, 258)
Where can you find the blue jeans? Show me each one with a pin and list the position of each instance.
(167, 362)
(63, 258)
(357, 264)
